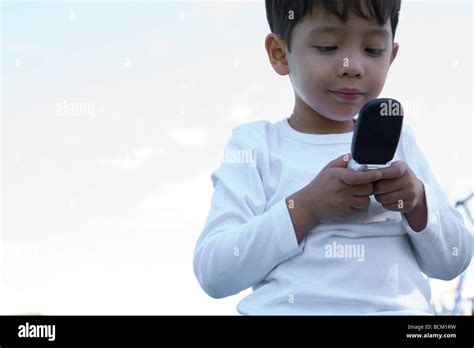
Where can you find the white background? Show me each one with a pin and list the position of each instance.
(102, 207)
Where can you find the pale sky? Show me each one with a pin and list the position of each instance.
(114, 115)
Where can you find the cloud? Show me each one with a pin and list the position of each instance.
(240, 113)
(26, 49)
(132, 159)
(254, 89)
(159, 48)
(189, 137)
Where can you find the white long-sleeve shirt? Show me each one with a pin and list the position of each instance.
(369, 263)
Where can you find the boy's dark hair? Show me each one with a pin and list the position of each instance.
(281, 23)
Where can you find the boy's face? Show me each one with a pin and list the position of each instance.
(356, 54)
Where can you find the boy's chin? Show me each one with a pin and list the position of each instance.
(340, 118)
(340, 115)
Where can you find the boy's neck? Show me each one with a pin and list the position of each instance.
(317, 124)
(306, 120)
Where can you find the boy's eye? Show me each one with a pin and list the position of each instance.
(371, 51)
(374, 51)
(326, 49)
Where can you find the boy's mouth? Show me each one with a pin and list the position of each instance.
(348, 94)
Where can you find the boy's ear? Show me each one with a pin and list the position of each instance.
(394, 52)
(276, 53)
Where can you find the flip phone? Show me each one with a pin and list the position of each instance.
(376, 134)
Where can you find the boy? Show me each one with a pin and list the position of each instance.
(308, 234)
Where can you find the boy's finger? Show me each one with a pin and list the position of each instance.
(387, 186)
(353, 177)
(340, 162)
(362, 190)
(396, 170)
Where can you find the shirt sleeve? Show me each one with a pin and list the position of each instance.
(243, 239)
(443, 249)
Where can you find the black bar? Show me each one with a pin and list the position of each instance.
(289, 330)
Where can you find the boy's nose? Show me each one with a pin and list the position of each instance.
(350, 66)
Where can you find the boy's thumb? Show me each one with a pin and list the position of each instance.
(340, 162)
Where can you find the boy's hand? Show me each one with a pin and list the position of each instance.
(400, 190)
(339, 192)
(336, 192)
